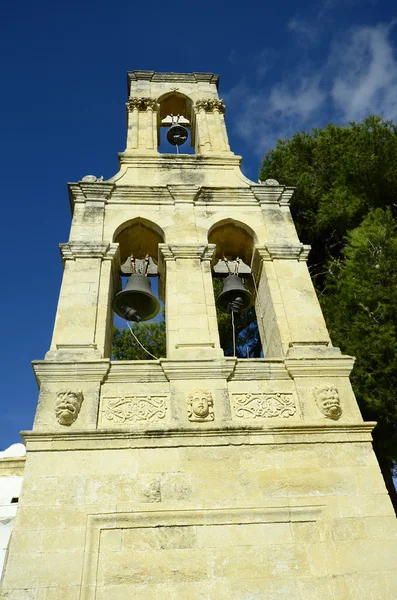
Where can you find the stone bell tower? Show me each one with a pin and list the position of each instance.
(195, 476)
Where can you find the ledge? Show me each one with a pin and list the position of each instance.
(101, 439)
(95, 370)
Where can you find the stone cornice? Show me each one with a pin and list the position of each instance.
(267, 194)
(12, 466)
(298, 252)
(135, 371)
(257, 369)
(196, 369)
(84, 190)
(76, 249)
(173, 77)
(191, 436)
(184, 193)
(320, 366)
(173, 193)
(186, 251)
(48, 371)
(237, 196)
(165, 369)
(187, 161)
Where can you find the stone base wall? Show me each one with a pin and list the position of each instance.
(202, 515)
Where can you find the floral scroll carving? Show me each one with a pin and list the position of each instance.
(142, 104)
(210, 105)
(135, 409)
(263, 406)
(328, 401)
(67, 406)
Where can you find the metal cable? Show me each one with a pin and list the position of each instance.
(143, 347)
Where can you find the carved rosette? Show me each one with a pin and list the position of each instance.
(328, 401)
(263, 406)
(135, 409)
(142, 104)
(210, 105)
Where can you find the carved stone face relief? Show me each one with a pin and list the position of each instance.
(200, 406)
(67, 406)
(327, 399)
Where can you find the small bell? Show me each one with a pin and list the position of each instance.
(177, 134)
(136, 301)
(234, 296)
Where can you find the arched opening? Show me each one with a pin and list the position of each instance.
(176, 110)
(234, 296)
(139, 325)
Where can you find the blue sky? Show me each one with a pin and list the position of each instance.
(284, 66)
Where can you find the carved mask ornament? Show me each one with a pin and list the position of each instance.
(327, 399)
(200, 406)
(67, 406)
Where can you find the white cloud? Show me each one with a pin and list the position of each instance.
(367, 74)
(306, 31)
(264, 62)
(358, 78)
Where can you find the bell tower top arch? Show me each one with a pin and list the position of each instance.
(154, 97)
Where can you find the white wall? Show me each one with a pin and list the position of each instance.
(10, 487)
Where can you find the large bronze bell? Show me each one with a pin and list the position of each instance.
(136, 301)
(234, 296)
(177, 135)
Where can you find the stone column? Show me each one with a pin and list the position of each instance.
(142, 124)
(83, 315)
(211, 126)
(202, 134)
(287, 308)
(132, 124)
(192, 327)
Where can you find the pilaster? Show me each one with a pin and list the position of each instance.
(86, 293)
(287, 307)
(192, 328)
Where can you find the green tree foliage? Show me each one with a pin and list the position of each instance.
(345, 207)
(151, 335)
(340, 173)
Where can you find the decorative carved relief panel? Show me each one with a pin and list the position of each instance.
(263, 406)
(135, 409)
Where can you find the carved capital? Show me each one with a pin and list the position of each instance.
(142, 104)
(189, 251)
(210, 105)
(73, 250)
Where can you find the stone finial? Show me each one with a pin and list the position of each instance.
(92, 179)
(269, 182)
(67, 406)
(200, 406)
(142, 104)
(210, 104)
(328, 401)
